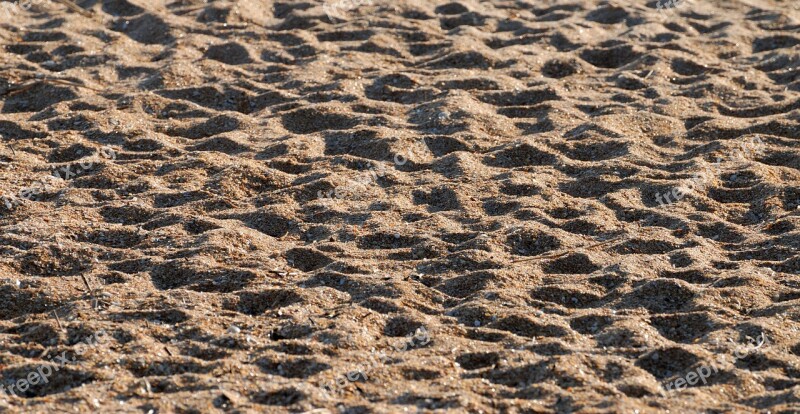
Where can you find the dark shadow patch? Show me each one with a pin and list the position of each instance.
(230, 53)
(36, 99)
(664, 363)
(574, 264)
(147, 29)
(307, 259)
(256, 303)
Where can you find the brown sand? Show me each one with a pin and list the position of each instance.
(523, 232)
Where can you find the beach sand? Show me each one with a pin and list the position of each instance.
(572, 205)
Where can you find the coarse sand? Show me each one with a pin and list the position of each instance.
(413, 206)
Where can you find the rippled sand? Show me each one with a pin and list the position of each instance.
(482, 206)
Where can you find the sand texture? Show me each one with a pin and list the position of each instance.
(505, 206)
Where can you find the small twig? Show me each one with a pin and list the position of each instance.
(168, 351)
(23, 88)
(68, 83)
(147, 387)
(58, 321)
(190, 9)
(549, 256)
(29, 86)
(86, 282)
(95, 302)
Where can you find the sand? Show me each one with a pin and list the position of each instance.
(466, 207)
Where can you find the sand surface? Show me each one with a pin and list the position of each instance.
(468, 207)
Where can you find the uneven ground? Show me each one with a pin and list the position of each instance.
(523, 233)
